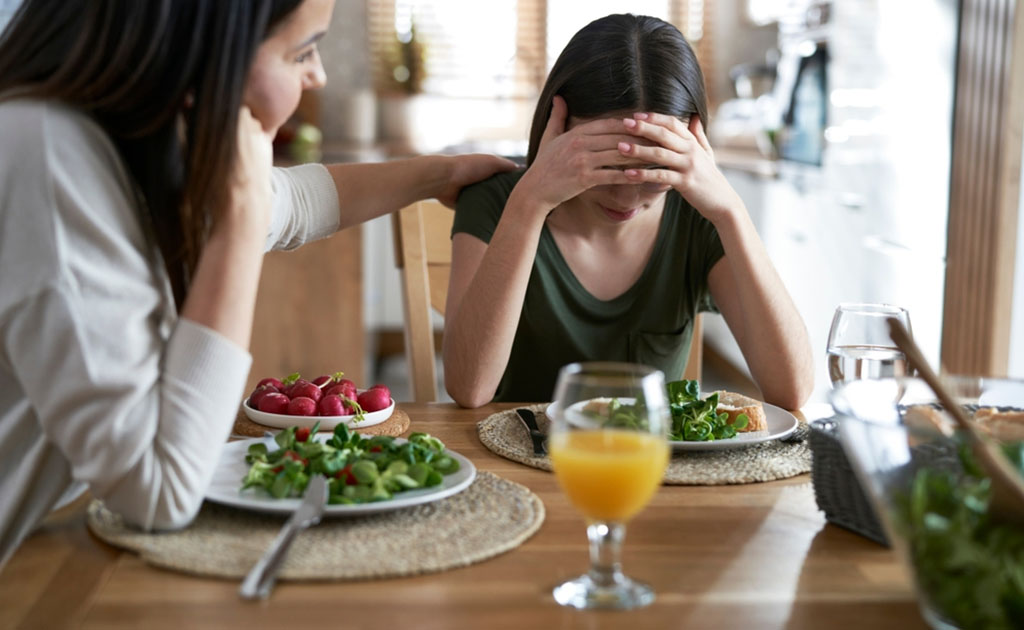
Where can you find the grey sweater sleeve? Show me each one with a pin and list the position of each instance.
(306, 206)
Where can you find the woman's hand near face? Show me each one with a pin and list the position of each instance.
(250, 195)
(571, 162)
(684, 151)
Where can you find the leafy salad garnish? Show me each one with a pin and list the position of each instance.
(697, 420)
(358, 469)
(970, 565)
(693, 419)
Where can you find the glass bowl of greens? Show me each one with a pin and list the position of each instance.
(933, 498)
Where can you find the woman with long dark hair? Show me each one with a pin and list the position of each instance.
(136, 201)
(619, 231)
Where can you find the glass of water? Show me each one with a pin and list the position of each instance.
(859, 346)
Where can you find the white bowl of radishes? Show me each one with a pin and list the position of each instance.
(329, 400)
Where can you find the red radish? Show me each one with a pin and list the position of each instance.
(384, 387)
(350, 405)
(259, 393)
(346, 389)
(289, 388)
(302, 406)
(305, 389)
(321, 380)
(271, 381)
(302, 434)
(331, 405)
(274, 403)
(374, 399)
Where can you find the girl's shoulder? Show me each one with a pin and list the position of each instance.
(493, 191)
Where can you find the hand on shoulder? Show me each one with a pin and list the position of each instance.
(469, 169)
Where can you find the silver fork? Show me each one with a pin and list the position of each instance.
(260, 580)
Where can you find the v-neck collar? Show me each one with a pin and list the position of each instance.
(582, 293)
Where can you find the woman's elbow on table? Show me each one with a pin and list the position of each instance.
(160, 492)
(792, 394)
(167, 510)
(469, 397)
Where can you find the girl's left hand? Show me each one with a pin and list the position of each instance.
(689, 164)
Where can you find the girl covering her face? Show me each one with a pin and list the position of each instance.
(619, 231)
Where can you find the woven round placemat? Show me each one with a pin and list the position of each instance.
(394, 426)
(503, 433)
(490, 517)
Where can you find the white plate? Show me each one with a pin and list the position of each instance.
(780, 424)
(231, 469)
(327, 423)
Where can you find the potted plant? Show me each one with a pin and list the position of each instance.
(401, 72)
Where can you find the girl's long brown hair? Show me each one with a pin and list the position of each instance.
(622, 63)
(132, 65)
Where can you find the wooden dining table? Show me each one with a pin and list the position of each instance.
(758, 555)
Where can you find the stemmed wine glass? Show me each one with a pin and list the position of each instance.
(609, 449)
(859, 346)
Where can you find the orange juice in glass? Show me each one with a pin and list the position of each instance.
(609, 448)
(609, 474)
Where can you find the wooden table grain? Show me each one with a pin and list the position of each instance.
(747, 556)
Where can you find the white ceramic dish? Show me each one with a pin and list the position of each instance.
(231, 469)
(327, 423)
(780, 423)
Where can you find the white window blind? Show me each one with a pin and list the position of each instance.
(497, 48)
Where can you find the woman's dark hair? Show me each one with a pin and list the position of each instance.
(132, 65)
(623, 63)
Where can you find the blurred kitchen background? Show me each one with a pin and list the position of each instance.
(833, 119)
(833, 125)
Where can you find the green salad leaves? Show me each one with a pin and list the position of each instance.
(359, 469)
(696, 420)
(969, 566)
(693, 419)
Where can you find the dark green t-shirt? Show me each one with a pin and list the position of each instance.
(562, 322)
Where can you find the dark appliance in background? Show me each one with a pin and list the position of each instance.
(802, 136)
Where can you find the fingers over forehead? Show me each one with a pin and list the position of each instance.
(664, 120)
(613, 140)
(598, 126)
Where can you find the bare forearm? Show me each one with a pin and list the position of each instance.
(480, 331)
(768, 328)
(222, 295)
(367, 191)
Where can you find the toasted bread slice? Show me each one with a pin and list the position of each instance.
(1005, 426)
(734, 404)
(924, 419)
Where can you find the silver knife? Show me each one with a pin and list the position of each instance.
(536, 436)
(260, 580)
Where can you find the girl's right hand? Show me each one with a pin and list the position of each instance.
(250, 194)
(570, 162)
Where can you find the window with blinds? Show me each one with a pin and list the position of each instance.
(497, 48)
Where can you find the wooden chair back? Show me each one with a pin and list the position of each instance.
(423, 254)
